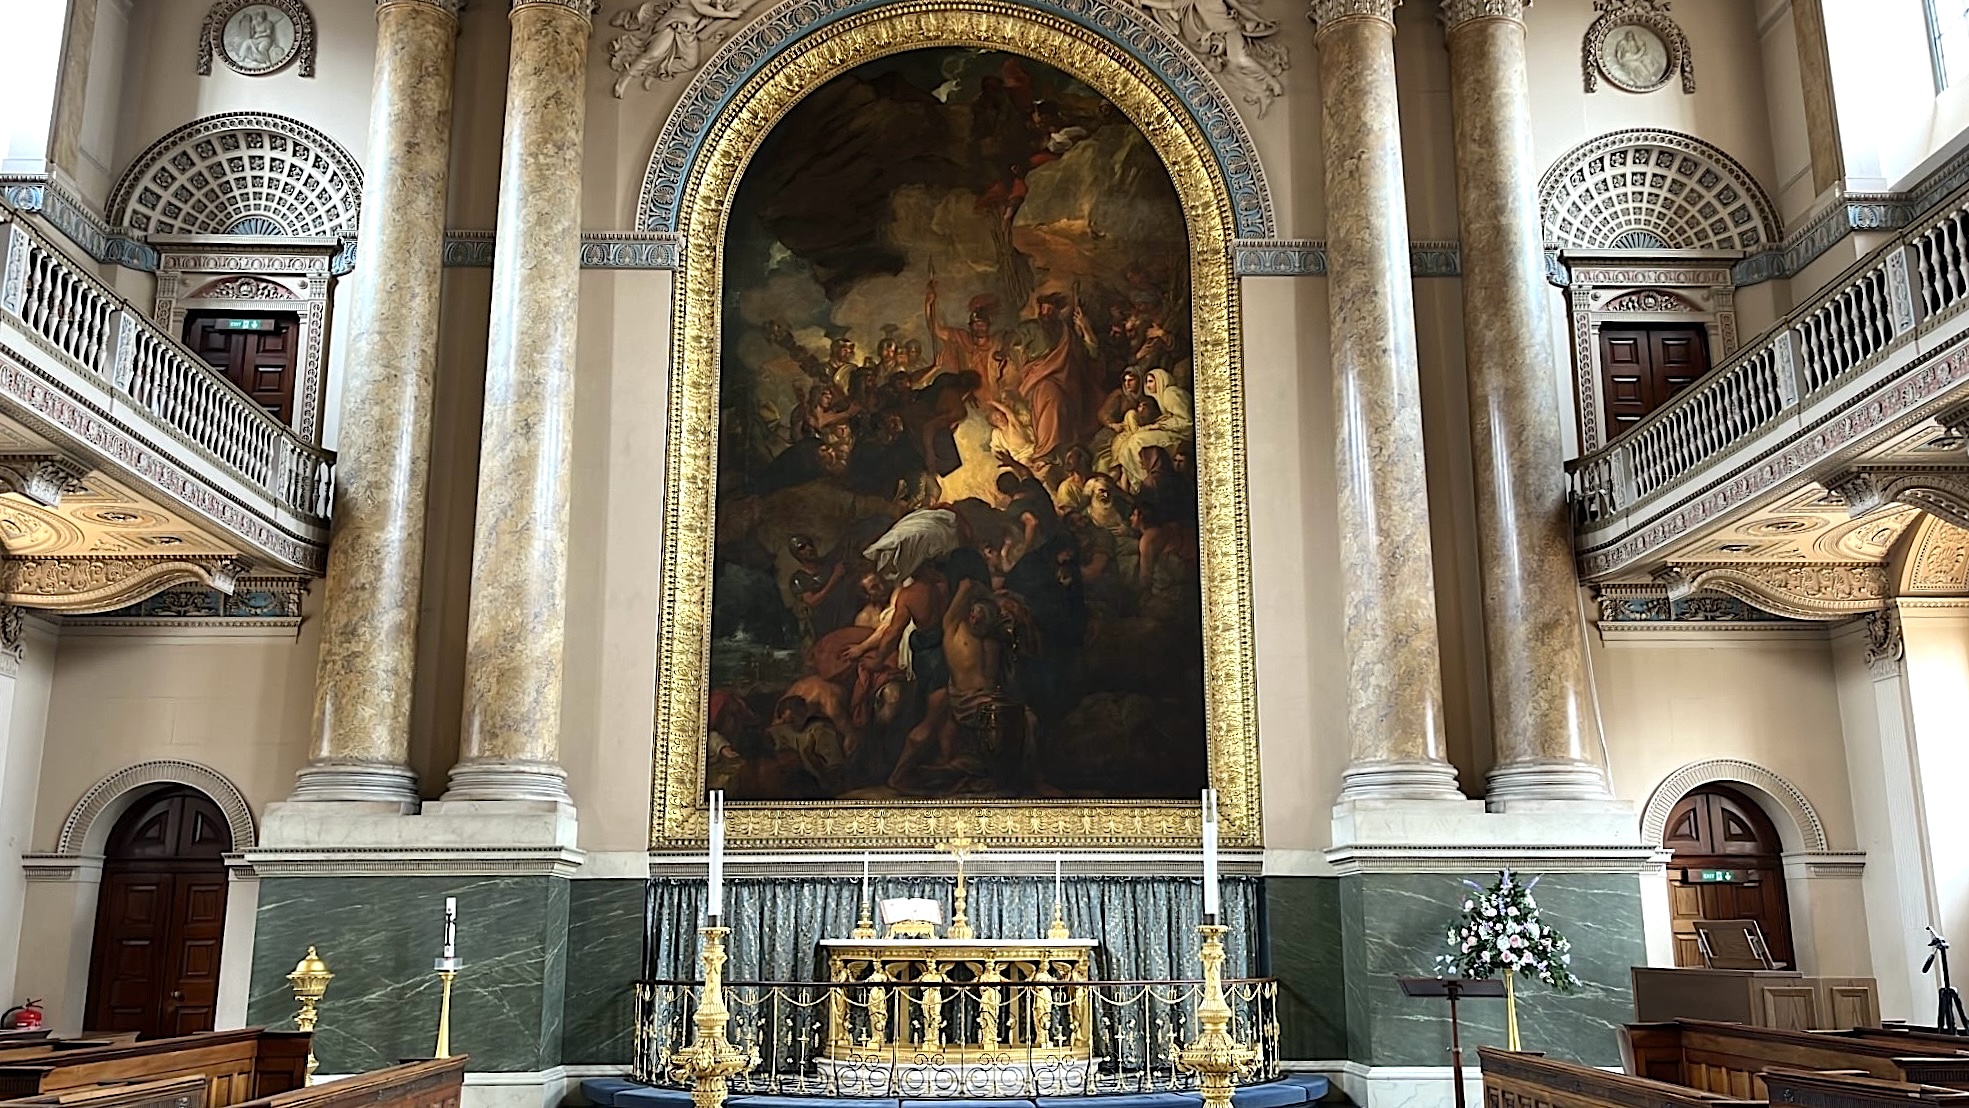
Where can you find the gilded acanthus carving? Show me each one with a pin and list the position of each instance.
(42, 478)
(102, 583)
(1820, 592)
(1455, 13)
(1941, 491)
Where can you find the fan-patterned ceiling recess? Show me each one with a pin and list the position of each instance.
(241, 173)
(1649, 189)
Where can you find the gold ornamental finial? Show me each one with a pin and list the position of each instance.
(310, 980)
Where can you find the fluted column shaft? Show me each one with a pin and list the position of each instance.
(1543, 720)
(376, 554)
(1394, 689)
(510, 749)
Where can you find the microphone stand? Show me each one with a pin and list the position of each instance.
(1950, 1018)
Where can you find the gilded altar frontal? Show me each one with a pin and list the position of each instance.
(966, 411)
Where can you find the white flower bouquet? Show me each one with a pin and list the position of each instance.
(1501, 933)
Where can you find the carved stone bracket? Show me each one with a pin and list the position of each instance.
(1817, 592)
(1941, 491)
(1884, 645)
(102, 583)
(42, 478)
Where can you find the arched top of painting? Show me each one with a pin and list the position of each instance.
(710, 97)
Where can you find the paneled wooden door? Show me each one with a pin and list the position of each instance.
(1642, 366)
(160, 918)
(1723, 833)
(258, 351)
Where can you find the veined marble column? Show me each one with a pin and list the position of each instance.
(1394, 688)
(510, 749)
(376, 552)
(1543, 720)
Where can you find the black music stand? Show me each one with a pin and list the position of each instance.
(1454, 988)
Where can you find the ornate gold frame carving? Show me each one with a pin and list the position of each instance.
(677, 817)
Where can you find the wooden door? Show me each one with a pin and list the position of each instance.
(255, 350)
(160, 918)
(1718, 830)
(1641, 367)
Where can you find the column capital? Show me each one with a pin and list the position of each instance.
(586, 9)
(447, 8)
(1329, 14)
(1456, 13)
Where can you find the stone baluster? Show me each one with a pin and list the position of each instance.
(1394, 687)
(1544, 723)
(510, 747)
(376, 556)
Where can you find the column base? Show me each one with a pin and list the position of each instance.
(1524, 786)
(493, 779)
(361, 782)
(1399, 781)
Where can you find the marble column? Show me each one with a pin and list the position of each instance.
(376, 552)
(1394, 688)
(1544, 723)
(71, 88)
(510, 747)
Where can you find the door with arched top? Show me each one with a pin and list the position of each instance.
(160, 918)
(1728, 864)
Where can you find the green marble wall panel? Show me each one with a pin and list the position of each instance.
(1392, 926)
(1303, 950)
(605, 951)
(379, 936)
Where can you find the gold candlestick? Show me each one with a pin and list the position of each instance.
(444, 1008)
(961, 847)
(1059, 928)
(1216, 1058)
(711, 1059)
(310, 980)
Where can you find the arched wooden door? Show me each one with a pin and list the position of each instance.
(1728, 864)
(154, 968)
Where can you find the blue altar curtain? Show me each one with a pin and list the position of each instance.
(1146, 925)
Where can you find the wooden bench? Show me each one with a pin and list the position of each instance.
(1729, 1059)
(430, 1084)
(177, 1092)
(236, 1065)
(1532, 1081)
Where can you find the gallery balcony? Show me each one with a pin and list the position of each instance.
(132, 465)
(1786, 475)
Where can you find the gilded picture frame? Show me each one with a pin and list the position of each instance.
(678, 814)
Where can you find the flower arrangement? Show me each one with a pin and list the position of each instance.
(1501, 933)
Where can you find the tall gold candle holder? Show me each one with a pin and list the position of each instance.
(310, 980)
(711, 1059)
(447, 969)
(1216, 1058)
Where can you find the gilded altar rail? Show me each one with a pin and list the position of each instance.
(971, 1038)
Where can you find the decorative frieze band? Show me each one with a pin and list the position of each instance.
(1307, 258)
(599, 249)
(1810, 591)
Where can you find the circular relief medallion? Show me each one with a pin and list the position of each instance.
(1634, 57)
(258, 39)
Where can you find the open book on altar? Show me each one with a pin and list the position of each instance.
(903, 909)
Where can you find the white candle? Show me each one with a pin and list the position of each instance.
(450, 927)
(1210, 855)
(716, 860)
(1057, 884)
(864, 881)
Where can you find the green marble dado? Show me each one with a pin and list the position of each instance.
(380, 934)
(1302, 949)
(1392, 926)
(604, 956)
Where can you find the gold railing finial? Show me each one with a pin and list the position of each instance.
(310, 980)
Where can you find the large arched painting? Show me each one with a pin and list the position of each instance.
(956, 548)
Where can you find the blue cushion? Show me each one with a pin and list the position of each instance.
(1272, 1094)
(643, 1096)
(603, 1090)
(1316, 1084)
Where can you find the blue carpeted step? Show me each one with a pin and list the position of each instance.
(766, 1101)
(981, 1102)
(1316, 1084)
(643, 1096)
(603, 1090)
(1272, 1094)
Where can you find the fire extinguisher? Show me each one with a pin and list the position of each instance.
(26, 1017)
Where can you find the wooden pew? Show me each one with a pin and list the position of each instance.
(177, 1092)
(236, 1065)
(429, 1084)
(1918, 1040)
(1729, 1058)
(1531, 1081)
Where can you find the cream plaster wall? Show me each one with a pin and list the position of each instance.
(1791, 153)
(24, 713)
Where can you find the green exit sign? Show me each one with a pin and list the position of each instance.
(1715, 876)
(247, 324)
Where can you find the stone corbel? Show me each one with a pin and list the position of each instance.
(42, 478)
(1942, 491)
(1796, 590)
(87, 585)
